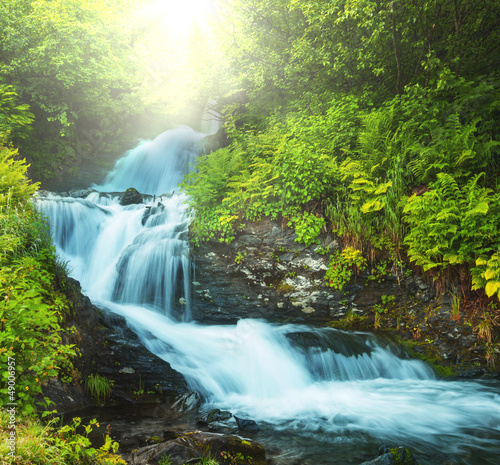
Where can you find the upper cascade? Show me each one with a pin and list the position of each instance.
(158, 166)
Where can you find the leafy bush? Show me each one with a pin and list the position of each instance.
(31, 309)
(454, 225)
(30, 315)
(342, 266)
(307, 227)
(486, 275)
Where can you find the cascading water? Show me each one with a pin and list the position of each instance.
(342, 389)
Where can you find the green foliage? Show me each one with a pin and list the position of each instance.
(235, 458)
(30, 316)
(240, 257)
(342, 266)
(15, 120)
(99, 388)
(75, 448)
(486, 275)
(300, 52)
(452, 224)
(14, 185)
(31, 308)
(307, 227)
(165, 460)
(454, 148)
(379, 272)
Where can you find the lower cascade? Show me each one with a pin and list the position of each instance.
(317, 385)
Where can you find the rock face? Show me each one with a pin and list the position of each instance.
(189, 447)
(264, 273)
(109, 348)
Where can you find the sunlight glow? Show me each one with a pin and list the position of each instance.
(178, 16)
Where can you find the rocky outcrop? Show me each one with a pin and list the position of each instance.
(190, 447)
(109, 348)
(265, 273)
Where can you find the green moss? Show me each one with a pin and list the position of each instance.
(402, 456)
(431, 357)
(351, 322)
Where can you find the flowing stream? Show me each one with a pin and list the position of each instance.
(325, 395)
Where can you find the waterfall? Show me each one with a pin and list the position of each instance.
(134, 260)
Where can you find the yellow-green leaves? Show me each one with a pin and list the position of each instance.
(454, 225)
(373, 194)
(486, 275)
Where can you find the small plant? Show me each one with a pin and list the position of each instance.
(415, 332)
(455, 307)
(307, 227)
(76, 448)
(377, 308)
(342, 265)
(486, 275)
(285, 288)
(387, 299)
(208, 460)
(322, 250)
(234, 458)
(376, 321)
(99, 388)
(490, 354)
(165, 460)
(379, 272)
(240, 257)
(484, 330)
(140, 391)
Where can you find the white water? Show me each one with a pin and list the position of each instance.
(345, 385)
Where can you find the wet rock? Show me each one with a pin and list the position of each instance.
(396, 456)
(152, 212)
(197, 445)
(188, 402)
(281, 281)
(131, 196)
(245, 424)
(215, 415)
(340, 342)
(80, 193)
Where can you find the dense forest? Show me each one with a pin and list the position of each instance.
(377, 121)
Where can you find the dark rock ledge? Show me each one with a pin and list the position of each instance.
(109, 348)
(264, 273)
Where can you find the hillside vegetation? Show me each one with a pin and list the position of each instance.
(33, 312)
(376, 121)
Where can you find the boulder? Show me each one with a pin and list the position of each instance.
(187, 448)
(245, 424)
(131, 196)
(213, 416)
(108, 347)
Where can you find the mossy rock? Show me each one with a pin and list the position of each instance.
(131, 196)
(226, 449)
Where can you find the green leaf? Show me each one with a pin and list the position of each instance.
(480, 209)
(492, 287)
